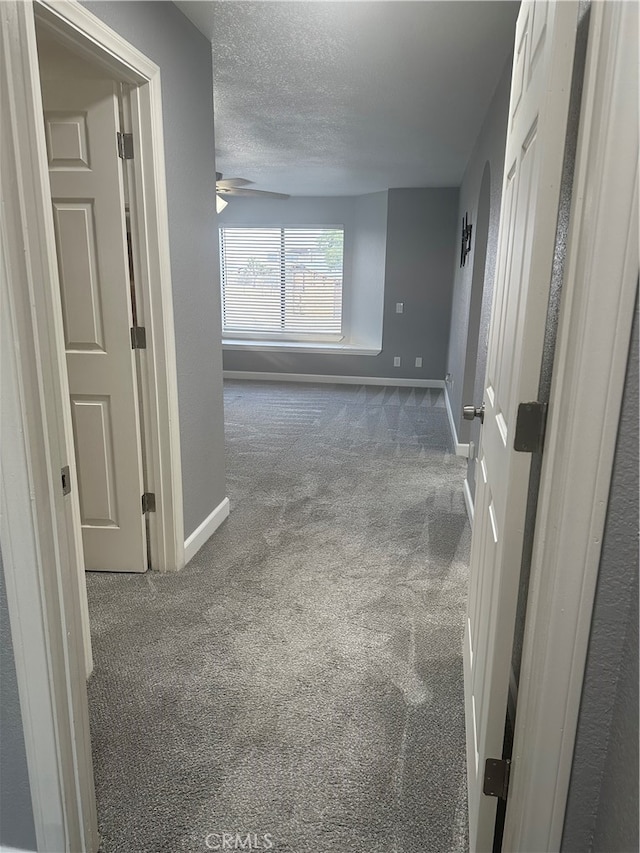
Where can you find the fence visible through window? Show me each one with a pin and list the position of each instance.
(282, 281)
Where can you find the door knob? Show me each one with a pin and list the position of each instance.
(471, 412)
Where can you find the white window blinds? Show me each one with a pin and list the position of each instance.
(282, 281)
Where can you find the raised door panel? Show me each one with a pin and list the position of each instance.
(67, 140)
(93, 432)
(79, 275)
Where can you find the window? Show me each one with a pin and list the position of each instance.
(282, 283)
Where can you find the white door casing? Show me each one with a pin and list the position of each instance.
(590, 363)
(87, 194)
(39, 554)
(540, 87)
(43, 593)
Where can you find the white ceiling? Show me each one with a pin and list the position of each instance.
(344, 98)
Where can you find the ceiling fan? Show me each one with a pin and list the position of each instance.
(237, 187)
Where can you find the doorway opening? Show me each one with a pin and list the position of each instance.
(106, 174)
(103, 131)
(49, 587)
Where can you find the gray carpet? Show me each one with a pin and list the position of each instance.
(302, 677)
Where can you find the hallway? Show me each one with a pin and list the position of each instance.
(301, 679)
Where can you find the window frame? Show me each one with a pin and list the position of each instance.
(273, 337)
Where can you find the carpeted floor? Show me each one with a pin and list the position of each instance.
(301, 679)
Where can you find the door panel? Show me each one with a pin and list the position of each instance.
(81, 308)
(93, 434)
(81, 122)
(541, 81)
(67, 146)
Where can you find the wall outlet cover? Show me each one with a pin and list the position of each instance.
(419, 361)
(396, 361)
(399, 307)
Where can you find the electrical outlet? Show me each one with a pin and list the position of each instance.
(396, 361)
(399, 307)
(419, 361)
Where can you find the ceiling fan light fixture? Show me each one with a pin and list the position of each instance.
(240, 187)
(220, 203)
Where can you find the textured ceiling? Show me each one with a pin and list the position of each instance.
(344, 98)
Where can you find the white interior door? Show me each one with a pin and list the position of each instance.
(81, 122)
(541, 81)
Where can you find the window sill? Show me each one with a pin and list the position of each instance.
(299, 346)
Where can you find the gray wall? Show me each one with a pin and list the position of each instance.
(321, 210)
(489, 148)
(16, 813)
(477, 295)
(369, 262)
(421, 240)
(183, 54)
(602, 809)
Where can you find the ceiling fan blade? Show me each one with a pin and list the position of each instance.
(238, 191)
(232, 182)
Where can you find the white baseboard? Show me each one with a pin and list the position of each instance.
(333, 380)
(201, 534)
(461, 449)
(468, 500)
(4, 849)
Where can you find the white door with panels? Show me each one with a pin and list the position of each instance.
(541, 82)
(88, 198)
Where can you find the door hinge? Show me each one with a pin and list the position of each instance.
(496, 777)
(530, 427)
(65, 475)
(148, 502)
(125, 146)
(138, 337)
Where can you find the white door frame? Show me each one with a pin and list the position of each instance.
(594, 330)
(76, 27)
(37, 551)
(44, 576)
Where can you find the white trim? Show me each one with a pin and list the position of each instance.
(204, 531)
(38, 544)
(333, 380)
(82, 31)
(4, 849)
(38, 528)
(13, 850)
(468, 500)
(24, 567)
(315, 347)
(588, 379)
(159, 370)
(460, 448)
